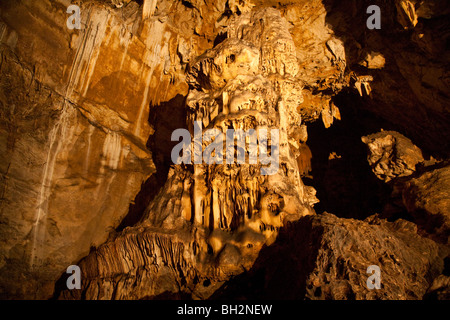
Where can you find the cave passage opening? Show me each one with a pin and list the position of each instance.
(341, 175)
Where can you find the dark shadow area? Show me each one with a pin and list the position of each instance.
(164, 118)
(345, 183)
(281, 269)
(62, 292)
(393, 97)
(446, 271)
(220, 38)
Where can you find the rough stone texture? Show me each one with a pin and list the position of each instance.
(440, 289)
(411, 91)
(326, 257)
(74, 122)
(426, 198)
(317, 257)
(86, 117)
(392, 155)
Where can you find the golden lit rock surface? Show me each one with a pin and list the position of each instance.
(86, 175)
(392, 155)
(227, 212)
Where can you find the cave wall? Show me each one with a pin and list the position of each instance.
(76, 104)
(74, 121)
(406, 61)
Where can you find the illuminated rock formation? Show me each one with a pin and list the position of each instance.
(226, 212)
(86, 175)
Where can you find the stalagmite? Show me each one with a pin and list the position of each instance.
(247, 82)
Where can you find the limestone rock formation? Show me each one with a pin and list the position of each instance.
(226, 212)
(412, 98)
(86, 170)
(392, 155)
(421, 184)
(408, 261)
(426, 198)
(440, 289)
(74, 123)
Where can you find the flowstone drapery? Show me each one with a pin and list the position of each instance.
(211, 220)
